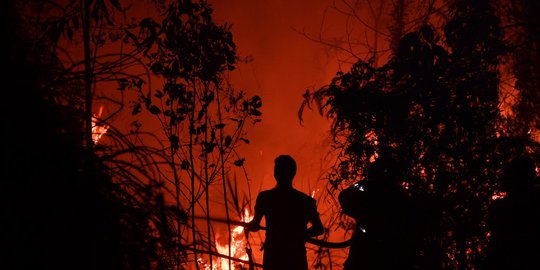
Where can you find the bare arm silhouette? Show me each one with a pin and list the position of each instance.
(316, 223)
(255, 224)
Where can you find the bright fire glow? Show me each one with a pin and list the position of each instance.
(498, 195)
(238, 247)
(98, 129)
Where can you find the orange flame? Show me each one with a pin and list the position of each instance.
(98, 129)
(237, 248)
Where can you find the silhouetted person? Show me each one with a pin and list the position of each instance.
(515, 220)
(388, 221)
(287, 212)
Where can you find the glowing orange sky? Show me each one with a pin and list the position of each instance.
(285, 65)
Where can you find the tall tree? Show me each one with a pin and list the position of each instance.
(109, 202)
(63, 207)
(434, 108)
(201, 116)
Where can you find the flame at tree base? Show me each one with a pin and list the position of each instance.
(98, 129)
(237, 248)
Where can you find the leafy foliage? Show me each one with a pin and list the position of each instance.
(69, 205)
(109, 207)
(202, 117)
(434, 108)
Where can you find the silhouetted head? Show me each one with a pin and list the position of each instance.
(520, 174)
(284, 170)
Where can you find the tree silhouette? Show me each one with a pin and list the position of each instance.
(434, 107)
(106, 205)
(202, 117)
(63, 209)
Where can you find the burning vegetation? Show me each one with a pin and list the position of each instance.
(131, 200)
(98, 128)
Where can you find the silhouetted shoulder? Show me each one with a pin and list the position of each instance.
(277, 192)
(306, 199)
(304, 196)
(278, 199)
(265, 193)
(263, 200)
